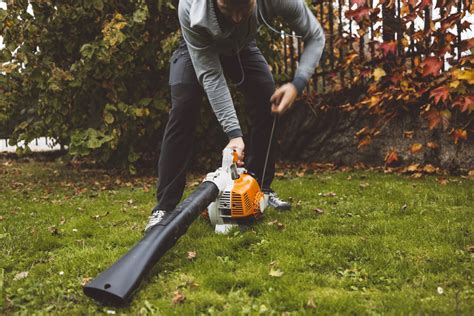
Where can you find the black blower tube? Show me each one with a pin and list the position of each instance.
(117, 284)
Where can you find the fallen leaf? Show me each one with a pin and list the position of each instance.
(417, 175)
(310, 303)
(361, 131)
(277, 224)
(191, 255)
(178, 298)
(429, 168)
(54, 230)
(328, 194)
(408, 134)
(470, 174)
(318, 211)
(275, 273)
(20, 275)
(470, 248)
(412, 167)
(85, 280)
(364, 142)
(432, 145)
(391, 157)
(442, 181)
(415, 148)
(2, 218)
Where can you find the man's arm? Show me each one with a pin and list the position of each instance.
(211, 76)
(300, 19)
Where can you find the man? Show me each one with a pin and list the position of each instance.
(218, 41)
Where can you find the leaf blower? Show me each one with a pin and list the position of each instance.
(231, 196)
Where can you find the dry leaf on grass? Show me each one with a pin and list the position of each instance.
(318, 211)
(20, 276)
(328, 194)
(85, 280)
(178, 298)
(470, 174)
(442, 181)
(310, 303)
(429, 169)
(275, 273)
(191, 255)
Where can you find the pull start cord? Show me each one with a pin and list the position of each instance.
(268, 148)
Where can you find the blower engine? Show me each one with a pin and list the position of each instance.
(240, 199)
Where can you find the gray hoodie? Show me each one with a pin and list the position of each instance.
(206, 40)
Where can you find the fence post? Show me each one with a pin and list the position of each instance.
(388, 22)
(323, 56)
(341, 50)
(427, 28)
(458, 26)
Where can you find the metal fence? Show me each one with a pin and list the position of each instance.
(387, 23)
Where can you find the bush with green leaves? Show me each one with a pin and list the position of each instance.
(92, 74)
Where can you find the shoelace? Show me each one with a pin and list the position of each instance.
(155, 218)
(276, 199)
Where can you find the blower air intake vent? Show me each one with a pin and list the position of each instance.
(237, 208)
(224, 201)
(248, 204)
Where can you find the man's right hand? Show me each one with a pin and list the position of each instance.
(238, 145)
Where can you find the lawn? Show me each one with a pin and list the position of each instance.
(356, 242)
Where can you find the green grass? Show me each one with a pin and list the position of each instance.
(385, 244)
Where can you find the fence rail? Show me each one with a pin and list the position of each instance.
(347, 37)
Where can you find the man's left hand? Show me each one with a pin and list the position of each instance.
(283, 98)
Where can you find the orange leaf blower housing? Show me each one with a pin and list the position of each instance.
(240, 197)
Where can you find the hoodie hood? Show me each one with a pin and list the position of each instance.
(203, 15)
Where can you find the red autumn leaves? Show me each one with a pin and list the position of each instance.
(423, 69)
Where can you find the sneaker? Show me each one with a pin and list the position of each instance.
(155, 218)
(277, 203)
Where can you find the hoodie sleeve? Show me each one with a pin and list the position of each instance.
(300, 18)
(210, 75)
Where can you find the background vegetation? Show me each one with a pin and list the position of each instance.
(93, 74)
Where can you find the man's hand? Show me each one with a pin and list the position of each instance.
(238, 145)
(283, 98)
